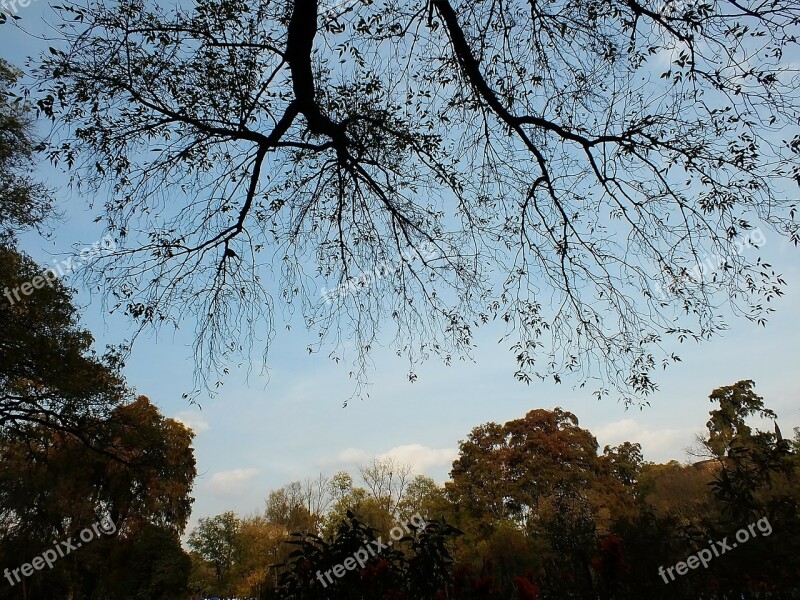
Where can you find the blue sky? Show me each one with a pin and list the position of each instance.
(267, 429)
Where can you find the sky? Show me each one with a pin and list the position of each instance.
(266, 429)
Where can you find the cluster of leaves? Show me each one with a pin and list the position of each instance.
(25, 203)
(74, 448)
(416, 566)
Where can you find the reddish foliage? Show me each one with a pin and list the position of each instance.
(483, 584)
(525, 589)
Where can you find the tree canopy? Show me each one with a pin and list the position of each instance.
(136, 470)
(77, 449)
(590, 173)
(24, 203)
(49, 373)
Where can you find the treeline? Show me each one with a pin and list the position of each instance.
(533, 509)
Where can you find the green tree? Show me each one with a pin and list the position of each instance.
(751, 462)
(424, 496)
(360, 503)
(218, 541)
(749, 479)
(597, 155)
(49, 373)
(728, 423)
(24, 203)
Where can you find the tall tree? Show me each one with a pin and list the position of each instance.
(218, 541)
(24, 203)
(514, 471)
(290, 506)
(136, 472)
(591, 173)
(755, 467)
(49, 373)
(151, 564)
(386, 479)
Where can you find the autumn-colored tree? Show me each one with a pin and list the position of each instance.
(262, 547)
(543, 516)
(136, 471)
(532, 489)
(514, 471)
(154, 477)
(74, 447)
(290, 507)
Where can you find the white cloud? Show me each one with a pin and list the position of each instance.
(193, 420)
(349, 456)
(420, 457)
(230, 482)
(657, 445)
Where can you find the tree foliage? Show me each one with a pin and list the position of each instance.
(216, 540)
(568, 168)
(76, 448)
(24, 203)
(136, 470)
(49, 373)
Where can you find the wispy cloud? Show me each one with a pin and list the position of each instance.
(231, 482)
(657, 445)
(421, 458)
(193, 420)
(348, 456)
